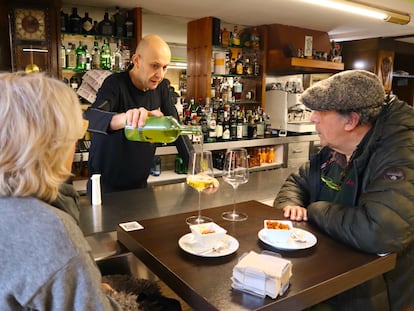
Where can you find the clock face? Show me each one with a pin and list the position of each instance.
(30, 24)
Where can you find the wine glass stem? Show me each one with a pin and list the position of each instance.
(199, 204)
(234, 200)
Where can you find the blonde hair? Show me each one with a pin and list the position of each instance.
(41, 120)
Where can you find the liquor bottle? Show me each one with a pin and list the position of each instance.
(119, 21)
(156, 166)
(255, 38)
(63, 56)
(220, 119)
(75, 22)
(239, 131)
(64, 21)
(118, 59)
(248, 67)
(80, 57)
(87, 25)
(71, 56)
(105, 57)
(126, 56)
(106, 26)
(236, 37)
(256, 66)
(74, 82)
(233, 122)
(226, 127)
(237, 89)
(225, 37)
(160, 130)
(239, 64)
(252, 128)
(96, 56)
(88, 58)
(212, 123)
(129, 25)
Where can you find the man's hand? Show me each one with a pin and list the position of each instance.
(295, 213)
(134, 117)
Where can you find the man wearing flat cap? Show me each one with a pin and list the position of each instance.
(359, 188)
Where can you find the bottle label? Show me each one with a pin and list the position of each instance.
(87, 26)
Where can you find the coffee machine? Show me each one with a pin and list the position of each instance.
(287, 113)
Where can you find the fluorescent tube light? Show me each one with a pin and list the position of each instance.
(35, 50)
(177, 65)
(365, 10)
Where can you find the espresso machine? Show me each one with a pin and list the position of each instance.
(287, 113)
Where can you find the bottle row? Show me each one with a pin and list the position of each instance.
(226, 62)
(233, 89)
(107, 56)
(222, 121)
(121, 24)
(238, 37)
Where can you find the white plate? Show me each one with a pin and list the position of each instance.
(291, 244)
(190, 245)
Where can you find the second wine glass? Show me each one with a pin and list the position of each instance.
(200, 177)
(235, 173)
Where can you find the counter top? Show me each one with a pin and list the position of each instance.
(170, 199)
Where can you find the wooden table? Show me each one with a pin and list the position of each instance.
(319, 272)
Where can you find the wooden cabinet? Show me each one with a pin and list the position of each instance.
(200, 51)
(286, 42)
(386, 57)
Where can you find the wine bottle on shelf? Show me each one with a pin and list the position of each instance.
(236, 37)
(105, 57)
(64, 21)
(239, 64)
(87, 25)
(88, 58)
(62, 56)
(106, 26)
(129, 25)
(96, 56)
(160, 130)
(80, 57)
(75, 22)
(119, 21)
(118, 59)
(71, 56)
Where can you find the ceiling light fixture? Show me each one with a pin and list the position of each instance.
(365, 10)
(177, 65)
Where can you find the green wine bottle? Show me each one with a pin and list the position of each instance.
(160, 130)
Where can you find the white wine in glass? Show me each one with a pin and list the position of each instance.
(235, 173)
(200, 177)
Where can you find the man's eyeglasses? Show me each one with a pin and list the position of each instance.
(327, 180)
(330, 183)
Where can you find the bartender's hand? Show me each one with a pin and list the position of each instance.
(295, 213)
(134, 117)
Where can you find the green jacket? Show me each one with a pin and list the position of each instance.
(380, 218)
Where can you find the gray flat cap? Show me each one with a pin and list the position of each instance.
(351, 90)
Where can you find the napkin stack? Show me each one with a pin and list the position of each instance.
(262, 274)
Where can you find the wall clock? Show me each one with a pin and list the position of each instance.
(30, 38)
(30, 24)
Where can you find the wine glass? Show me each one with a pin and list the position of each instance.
(235, 173)
(200, 176)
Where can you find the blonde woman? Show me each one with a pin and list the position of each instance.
(45, 261)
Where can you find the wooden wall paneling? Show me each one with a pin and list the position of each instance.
(5, 55)
(199, 53)
(290, 39)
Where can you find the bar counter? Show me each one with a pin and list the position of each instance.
(164, 200)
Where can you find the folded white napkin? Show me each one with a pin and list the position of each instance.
(262, 274)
